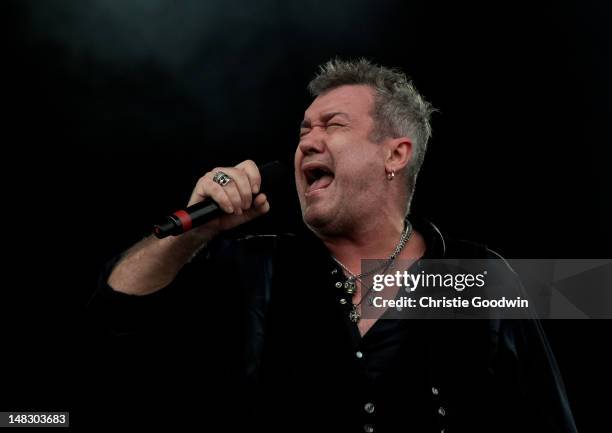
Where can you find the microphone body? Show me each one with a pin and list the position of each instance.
(207, 210)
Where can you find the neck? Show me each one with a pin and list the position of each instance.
(375, 240)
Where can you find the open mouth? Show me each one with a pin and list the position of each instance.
(318, 177)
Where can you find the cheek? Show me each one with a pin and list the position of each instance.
(297, 162)
(362, 175)
(360, 162)
(297, 158)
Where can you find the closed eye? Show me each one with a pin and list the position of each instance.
(305, 131)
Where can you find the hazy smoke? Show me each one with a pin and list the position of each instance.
(222, 60)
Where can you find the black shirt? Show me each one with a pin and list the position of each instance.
(290, 358)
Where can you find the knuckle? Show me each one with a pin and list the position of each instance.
(216, 194)
(206, 184)
(234, 194)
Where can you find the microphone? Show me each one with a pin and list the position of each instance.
(200, 213)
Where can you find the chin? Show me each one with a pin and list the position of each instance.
(315, 219)
(322, 224)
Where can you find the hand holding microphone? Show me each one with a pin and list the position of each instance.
(224, 198)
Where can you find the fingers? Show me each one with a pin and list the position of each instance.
(252, 172)
(231, 191)
(207, 188)
(239, 187)
(237, 195)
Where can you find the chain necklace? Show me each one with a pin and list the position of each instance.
(349, 284)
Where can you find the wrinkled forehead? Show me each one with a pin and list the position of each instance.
(357, 101)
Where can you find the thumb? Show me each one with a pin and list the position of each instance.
(259, 207)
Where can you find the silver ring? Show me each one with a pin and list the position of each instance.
(221, 178)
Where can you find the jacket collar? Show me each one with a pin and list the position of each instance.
(434, 240)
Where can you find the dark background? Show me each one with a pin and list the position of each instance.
(113, 109)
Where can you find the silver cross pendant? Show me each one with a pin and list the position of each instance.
(354, 315)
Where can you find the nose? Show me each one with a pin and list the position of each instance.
(312, 142)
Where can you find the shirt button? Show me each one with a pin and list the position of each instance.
(368, 428)
(338, 285)
(434, 390)
(369, 407)
(442, 411)
(343, 301)
(358, 354)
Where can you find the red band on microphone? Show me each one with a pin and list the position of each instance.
(184, 218)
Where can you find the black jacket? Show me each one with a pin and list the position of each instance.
(258, 310)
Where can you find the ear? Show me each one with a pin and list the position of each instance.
(398, 153)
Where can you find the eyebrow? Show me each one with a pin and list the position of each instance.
(325, 117)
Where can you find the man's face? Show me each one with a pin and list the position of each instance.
(339, 172)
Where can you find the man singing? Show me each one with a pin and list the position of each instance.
(311, 359)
